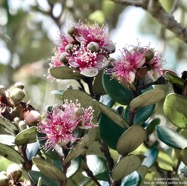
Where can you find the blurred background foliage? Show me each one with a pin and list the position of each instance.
(29, 29)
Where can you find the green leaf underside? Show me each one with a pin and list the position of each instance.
(46, 181)
(126, 166)
(175, 109)
(141, 115)
(132, 138)
(171, 137)
(49, 169)
(10, 154)
(109, 131)
(84, 99)
(116, 91)
(26, 136)
(65, 72)
(8, 124)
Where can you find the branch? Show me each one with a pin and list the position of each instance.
(157, 11)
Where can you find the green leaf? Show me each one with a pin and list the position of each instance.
(171, 137)
(116, 91)
(7, 139)
(142, 171)
(98, 167)
(11, 154)
(183, 155)
(84, 99)
(97, 85)
(132, 138)
(132, 179)
(26, 136)
(109, 131)
(175, 109)
(147, 98)
(46, 181)
(65, 72)
(151, 156)
(114, 116)
(8, 125)
(141, 115)
(49, 169)
(74, 166)
(151, 126)
(125, 166)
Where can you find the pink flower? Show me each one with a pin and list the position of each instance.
(86, 48)
(60, 123)
(136, 63)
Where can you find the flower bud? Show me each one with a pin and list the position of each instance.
(149, 54)
(32, 117)
(4, 179)
(14, 172)
(93, 46)
(17, 95)
(22, 125)
(19, 85)
(63, 57)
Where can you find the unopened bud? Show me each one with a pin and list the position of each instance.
(19, 85)
(93, 46)
(63, 57)
(32, 117)
(4, 179)
(149, 54)
(69, 48)
(14, 172)
(22, 125)
(17, 95)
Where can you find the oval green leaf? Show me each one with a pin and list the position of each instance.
(132, 138)
(84, 99)
(183, 155)
(152, 125)
(125, 166)
(109, 131)
(46, 181)
(175, 109)
(114, 116)
(116, 91)
(171, 137)
(26, 136)
(49, 169)
(147, 98)
(65, 72)
(11, 154)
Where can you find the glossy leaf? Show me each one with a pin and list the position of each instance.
(141, 115)
(151, 126)
(109, 131)
(132, 138)
(84, 99)
(113, 115)
(183, 155)
(46, 181)
(125, 166)
(65, 72)
(98, 167)
(132, 179)
(7, 139)
(10, 154)
(116, 91)
(171, 137)
(147, 98)
(26, 136)
(49, 169)
(175, 109)
(7, 124)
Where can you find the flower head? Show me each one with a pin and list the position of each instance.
(136, 63)
(60, 123)
(86, 48)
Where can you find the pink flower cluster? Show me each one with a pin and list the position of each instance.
(136, 63)
(86, 48)
(60, 123)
